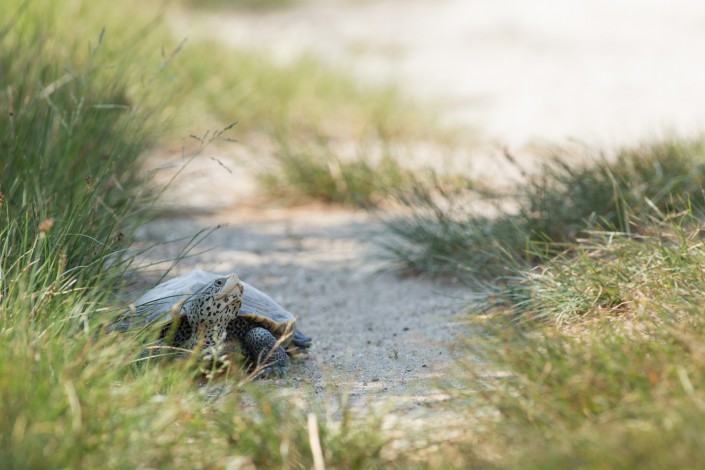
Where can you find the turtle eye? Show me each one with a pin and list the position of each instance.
(219, 282)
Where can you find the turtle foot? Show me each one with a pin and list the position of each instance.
(261, 349)
(300, 340)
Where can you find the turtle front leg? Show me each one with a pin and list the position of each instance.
(259, 345)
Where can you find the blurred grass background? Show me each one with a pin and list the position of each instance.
(256, 5)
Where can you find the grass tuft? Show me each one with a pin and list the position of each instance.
(552, 209)
(316, 172)
(605, 369)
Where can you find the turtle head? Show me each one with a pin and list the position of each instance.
(211, 309)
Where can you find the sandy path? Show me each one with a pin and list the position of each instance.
(595, 70)
(378, 338)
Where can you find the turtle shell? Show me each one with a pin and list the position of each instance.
(261, 309)
(157, 306)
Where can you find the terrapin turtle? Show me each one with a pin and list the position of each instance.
(262, 327)
(203, 313)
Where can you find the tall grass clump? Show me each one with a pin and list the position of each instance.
(72, 134)
(70, 138)
(315, 172)
(553, 207)
(600, 353)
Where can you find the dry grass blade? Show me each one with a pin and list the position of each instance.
(315, 441)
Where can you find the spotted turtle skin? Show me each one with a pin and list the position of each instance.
(210, 313)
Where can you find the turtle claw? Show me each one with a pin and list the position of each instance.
(300, 340)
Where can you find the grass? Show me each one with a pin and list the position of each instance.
(255, 5)
(605, 367)
(70, 143)
(315, 172)
(299, 101)
(552, 209)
